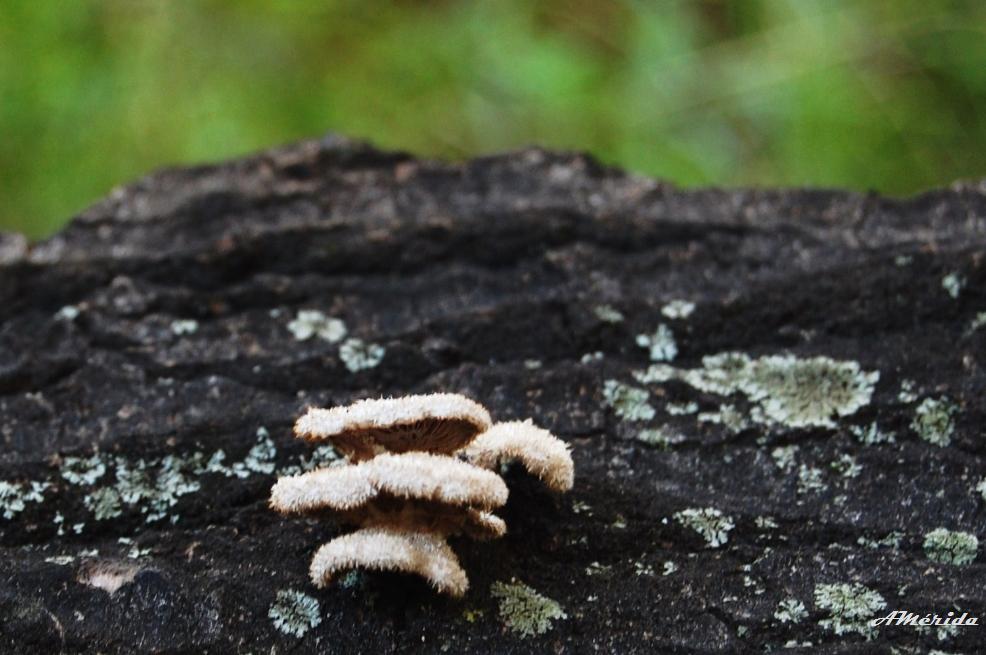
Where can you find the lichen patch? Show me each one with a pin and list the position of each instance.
(710, 523)
(787, 390)
(850, 608)
(933, 420)
(660, 344)
(629, 403)
(951, 547)
(359, 355)
(294, 613)
(523, 610)
(678, 309)
(14, 497)
(313, 323)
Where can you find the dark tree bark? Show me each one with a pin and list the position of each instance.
(156, 330)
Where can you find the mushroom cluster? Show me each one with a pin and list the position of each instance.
(420, 469)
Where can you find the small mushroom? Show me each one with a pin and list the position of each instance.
(409, 476)
(422, 468)
(540, 452)
(388, 549)
(436, 423)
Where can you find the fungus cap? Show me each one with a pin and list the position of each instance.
(383, 549)
(417, 476)
(439, 422)
(539, 451)
(425, 516)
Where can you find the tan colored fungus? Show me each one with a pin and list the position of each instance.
(437, 423)
(422, 469)
(418, 476)
(541, 453)
(385, 549)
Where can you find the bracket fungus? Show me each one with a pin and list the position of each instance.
(421, 469)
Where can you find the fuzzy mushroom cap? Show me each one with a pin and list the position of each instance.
(425, 516)
(540, 452)
(438, 423)
(409, 476)
(386, 549)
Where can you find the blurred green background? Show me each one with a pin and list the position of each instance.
(878, 95)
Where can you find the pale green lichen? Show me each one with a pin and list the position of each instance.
(67, 313)
(83, 471)
(607, 313)
(14, 497)
(953, 284)
(789, 391)
(678, 309)
(728, 416)
(808, 392)
(676, 409)
(661, 344)
(589, 358)
(358, 355)
(810, 479)
(892, 541)
(790, 610)
(155, 486)
(951, 547)
(784, 457)
(260, 459)
(661, 437)
(311, 323)
(294, 613)
(595, 568)
(850, 607)
(628, 402)
(846, 466)
(765, 523)
(669, 568)
(184, 326)
(321, 457)
(532, 364)
(933, 421)
(981, 488)
(872, 434)
(523, 610)
(104, 503)
(710, 523)
(977, 322)
(907, 393)
(61, 560)
(135, 551)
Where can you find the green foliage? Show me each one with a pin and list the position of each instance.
(878, 94)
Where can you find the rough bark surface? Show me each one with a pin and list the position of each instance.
(156, 331)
